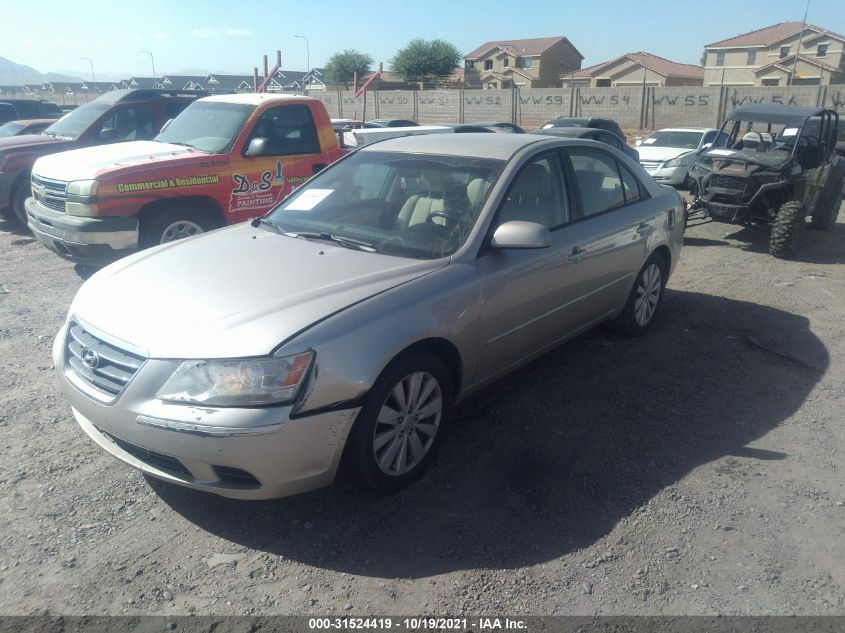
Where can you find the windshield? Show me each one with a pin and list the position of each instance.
(10, 129)
(209, 126)
(77, 121)
(737, 134)
(395, 203)
(674, 138)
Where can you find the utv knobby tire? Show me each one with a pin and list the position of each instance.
(785, 230)
(824, 219)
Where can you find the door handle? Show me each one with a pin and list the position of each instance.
(577, 254)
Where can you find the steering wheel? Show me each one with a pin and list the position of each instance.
(450, 217)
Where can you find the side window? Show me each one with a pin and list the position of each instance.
(287, 129)
(708, 137)
(537, 195)
(127, 124)
(630, 185)
(599, 184)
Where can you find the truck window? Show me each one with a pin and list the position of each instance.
(133, 123)
(288, 129)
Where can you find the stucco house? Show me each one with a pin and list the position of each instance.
(531, 63)
(634, 69)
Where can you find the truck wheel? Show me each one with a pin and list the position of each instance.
(645, 298)
(786, 230)
(164, 226)
(400, 425)
(22, 192)
(824, 218)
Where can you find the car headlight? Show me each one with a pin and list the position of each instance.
(677, 161)
(233, 383)
(82, 189)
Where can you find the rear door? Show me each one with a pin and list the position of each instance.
(612, 228)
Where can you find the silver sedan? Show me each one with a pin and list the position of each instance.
(344, 326)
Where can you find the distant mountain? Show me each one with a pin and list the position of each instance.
(18, 74)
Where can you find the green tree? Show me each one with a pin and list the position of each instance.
(426, 60)
(341, 66)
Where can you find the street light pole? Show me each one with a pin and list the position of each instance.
(307, 52)
(91, 61)
(152, 61)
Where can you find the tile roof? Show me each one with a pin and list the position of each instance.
(660, 65)
(535, 46)
(770, 35)
(786, 63)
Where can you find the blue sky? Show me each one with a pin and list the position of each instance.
(221, 35)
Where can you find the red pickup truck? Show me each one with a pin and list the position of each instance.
(224, 159)
(119, 115)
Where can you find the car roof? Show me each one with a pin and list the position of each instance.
(774, 112)
(569, 132)
(474, 145)
(253, 98)
(687, 129)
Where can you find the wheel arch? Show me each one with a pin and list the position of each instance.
(443, 349)
(205, 203)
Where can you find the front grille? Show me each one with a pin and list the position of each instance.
(650, 165)
(158, 460)
(727, 182)
(101, 365)
(51, 194)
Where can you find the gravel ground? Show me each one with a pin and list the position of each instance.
(698, 470)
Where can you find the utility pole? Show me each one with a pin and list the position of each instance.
(152, 61)
(800, 39)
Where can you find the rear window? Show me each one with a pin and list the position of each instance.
(28, 109)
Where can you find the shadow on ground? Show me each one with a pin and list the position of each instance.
(814, 247)
(551, 458)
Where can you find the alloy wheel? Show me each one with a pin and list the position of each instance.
(180, 229)
(648, 294)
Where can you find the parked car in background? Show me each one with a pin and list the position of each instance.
(594, 134)
(24, 126)
(68, 107)
(774, 165)
(395, 122)
(7, 112)
(345, 324)
(224, 159)
(467, 128)
(32, 109)
(594, 122)
(119, 115)
(502, 126)
(668, 154)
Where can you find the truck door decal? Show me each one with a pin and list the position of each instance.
(261, 191)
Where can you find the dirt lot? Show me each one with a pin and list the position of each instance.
(698, 470)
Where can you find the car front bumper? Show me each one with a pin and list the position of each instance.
(674, 176)
(240, 453)
(87, 240)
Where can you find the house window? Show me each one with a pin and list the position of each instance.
(784, 51)
(751, 59)
(603, 83)
(821, 50)
(720, 58)
(527, 63)
(505, 62)
(470, 64)
(488, 64)
(771, 82)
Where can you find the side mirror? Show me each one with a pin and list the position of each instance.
(164, 127)
(707, 146)
(257, 147)
(518, 234)
(638, 142)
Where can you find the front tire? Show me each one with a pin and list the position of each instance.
(824, 217)
(22, 192)
(401, 424)
(645, 299)
(786, 230)
(163, 226)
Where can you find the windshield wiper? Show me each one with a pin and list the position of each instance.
(266, 222)
(348, 242)
(182, 143)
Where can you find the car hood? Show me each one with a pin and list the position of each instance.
(238, 291)
(30, 140)
(649, 153)
(90, 162)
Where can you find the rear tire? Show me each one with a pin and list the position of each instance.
(388, 427)
(645, 299)
(786, 230)
(167, 225)
(824, 218)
